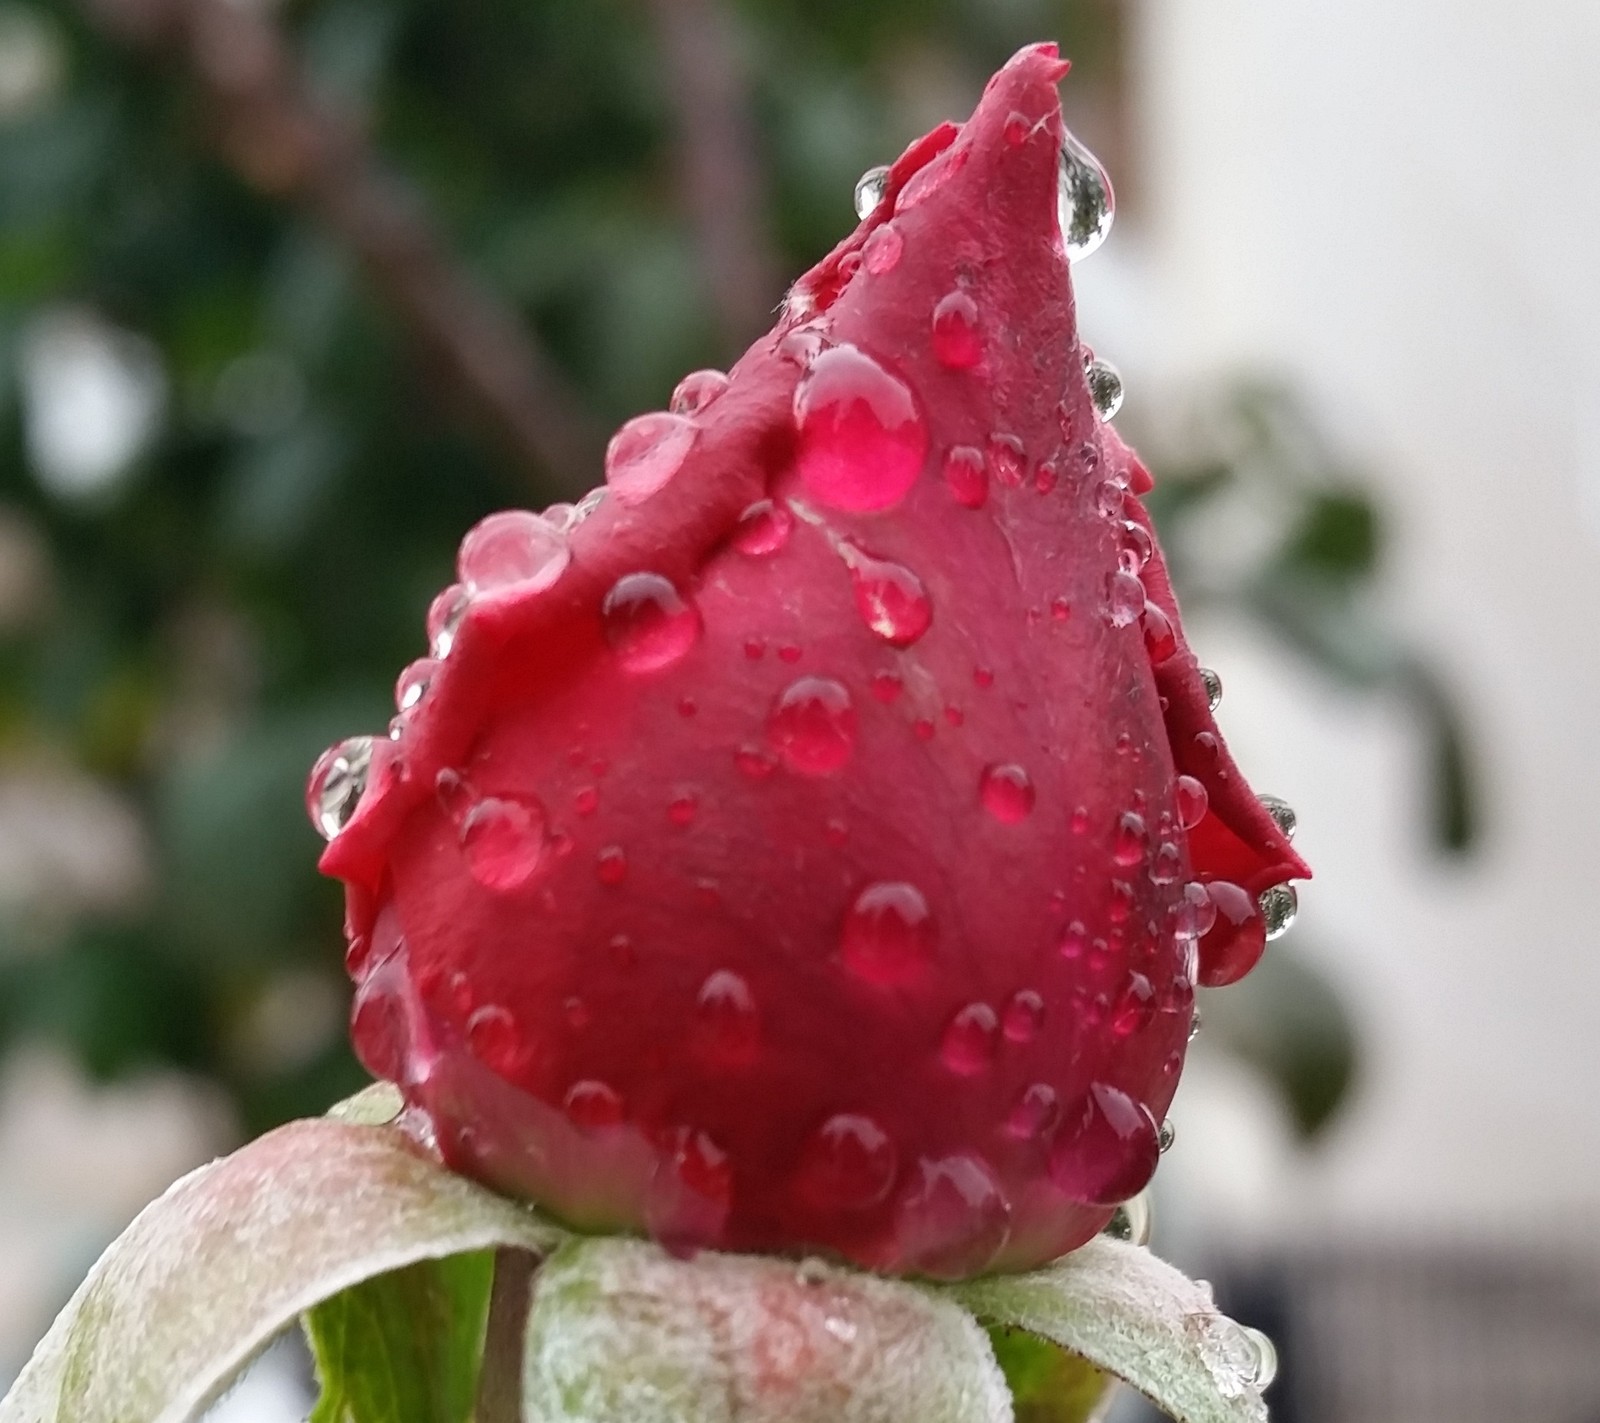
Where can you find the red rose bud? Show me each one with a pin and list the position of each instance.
(806, 847)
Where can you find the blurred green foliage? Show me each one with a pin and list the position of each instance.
(204, 614)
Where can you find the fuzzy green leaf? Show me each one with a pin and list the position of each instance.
(239, 1249)
(1048, 1384)
(1134, 1316)
(623, 1333)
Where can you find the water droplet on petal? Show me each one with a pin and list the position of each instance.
(890, 597)
(953, 1219)
(1190, 798)
(1108, 1148)
(1279, 906)
(337, 783)
(966, 476)
(1036, 1112)
(1023, 1017)
(611, 865)
(1136, 1007)
(1237, 937)
(1169, 1134)
(849, 1164)
(1213, 686)
(1007, 460)
(1109, 499)
(880, 254)
(1166, 866)
(503, 841)
(494, 1039)
(1074, 940)
(888, 933)
(1134, 546)
(1230, 1354)
(1006, 792)
(727, 1025)
(1194, 913)
(1266, 1358)
(1018, 127)
(444, 618)
(813, 726)
(647, 623)
(1160, 641)
(1131, 1220)
(645, 453)
(413, 684)
(691, 1193)
(957, 343)
(1125, 599)
(593, 1106)
(1105, 388)
(1084, 200)
(1132, 842)
(696, 391)
(1282, 814)
(870, 188)
(861, 437)
(763, 529)
(512, 549)
(969, 1042)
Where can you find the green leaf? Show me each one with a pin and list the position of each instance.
(238, 1250)
(405, 1347)
(1134, 1316)
(1048, 1384)
(622, 1332)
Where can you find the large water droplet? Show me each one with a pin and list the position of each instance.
(727, 1025)
(1135, 1009)
(444, 618)
(1191, 800)
(1279, 906)
(881, 252)
(1266, 1358)
(890, 597)
(645, 453)
(1160, 640)
(1213, 685)
(1006, 792)
(1229, 1352)
(861, 437)
(691, 1193)
(957, 343)
(888, 933)
(1131, 1220)
(812, 725)
(593, 1105)
(503, 841)
(647, 623)
(969, 1042)
(495, 1040)
(1237, 937)
(849, 1163)
(763, 529)
(337, 783)
(1105, 388)
(1134, 546)
(1282, 814)
(696, 391)
(967, 476)
(413, 683)
(512, 549)
(1109, 1148)
(1132, 841)
(1084, 200)
(1125, 599)
(954, 1218)
(870, 188)
(1036, 1112)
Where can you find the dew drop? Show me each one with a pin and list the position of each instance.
(1036, 1112)
(1190, 798)
(1132, 842)
(888, 933)
(647, 623)
(1023, 1016)
(645, 453)
(1131, 1220)
(1006, 792)
(1007, 460)
(763, 529)
(696, 391)
(1084, 200)
(1134, 546)
(870, 189)
(503, 841)
(1282, 814)
(890, 597)
(691, 1193)
(1125, 599)
(727, 1026)
(848, 1164)
(495, 1041)
(887, 687)
(1231, 1354)
(1108, 1150)
(757, 765)
(1237, 937)
(966, 476)
(593, 1105)
(1213, 686)
(1018, 127)
(1169, 1134)
(1074, 940)
(1109, 499)
(337, 783)
(682, 809)
(812, 726)
(1166, 866)
(413, 684)
(880, 254)
(512, 549)
(957, 343)
(969, 1042)
(1279, 906)
(1135, 1008)
(1105, 388)
(1160, 641)
(953, 1219)
(1194, 913)
(1266, 1369)
(444, 618)
(611, 865)
(861, 437)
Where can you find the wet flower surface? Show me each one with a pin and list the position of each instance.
(814, 845)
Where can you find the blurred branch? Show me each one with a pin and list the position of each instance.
(290, 146)
(510, 1301)
(707, 86)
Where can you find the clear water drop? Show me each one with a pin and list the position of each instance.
(696, 391)
(966, 476)
(1166, 865)
(891, 598)
(812, 726)
(1282, 814)
(881, 252)
(727, 1024)
(1006, 792)
(503, 841)
(849, 1164)
(1237, 937)
(1213, 685)
(512, 549)
(1279, 906)
(1105, 388)
(970, 1039)
(1160, 639)
(594, 1105)
(647, 623)
(1131, 1220)
(763, 529)
(645, 453)
(1084, 200)
(1266, 1358)
(1109, 499)
(1035, 1112)
(957, 341)
(1024, 1016)
(495, 1039)
(337, 783)
(1190, 798)
(1135, 1009)
(1134, 545)
(861, 437)
(413, 683)
(1108, 1148)
(1131, 843)
(1169, 1135)
(1125, 599)
(888, 933)
(1008, 460)
(444, 618)
(953, 1219)
(870, 189)
(1230, 1354)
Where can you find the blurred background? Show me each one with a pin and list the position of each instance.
(293, 292)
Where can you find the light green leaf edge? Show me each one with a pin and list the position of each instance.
(1134, 1316)
(235, 1252)
(621, 1332)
